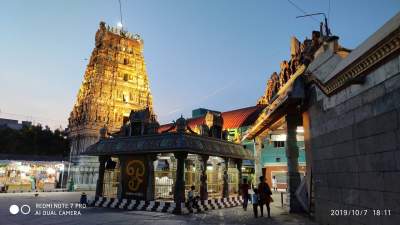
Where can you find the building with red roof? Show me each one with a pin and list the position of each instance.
(237, 122)
(234, 120)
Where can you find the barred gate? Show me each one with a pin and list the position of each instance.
(111, 183)
(164, 184)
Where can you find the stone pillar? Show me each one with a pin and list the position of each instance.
(179, 192)
(225, 189)
(292, 154)
(150, 191)
(100, 179)
(91, 174)
(239, 167)
(84, 176)
(121, 186)
(257, 160)
(307, 146)
(78, 177)
(203, 177)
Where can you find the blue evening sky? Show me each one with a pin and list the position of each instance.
(216, 54)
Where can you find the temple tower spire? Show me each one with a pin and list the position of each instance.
(115, 83)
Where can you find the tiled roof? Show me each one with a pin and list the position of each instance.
(168, 143)
(232, 119)
(241, 117)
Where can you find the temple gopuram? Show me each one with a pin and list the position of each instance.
(114, 84)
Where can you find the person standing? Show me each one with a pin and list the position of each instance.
(192, 199)
(265, 196)
(244, 190)
(33, 182)
(274, 183)
(255, 200)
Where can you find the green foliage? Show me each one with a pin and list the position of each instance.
(33, 140)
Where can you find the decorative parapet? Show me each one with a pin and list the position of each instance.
(123, 33)
(354, 72)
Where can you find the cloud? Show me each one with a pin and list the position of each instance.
(203, 99)
(215, 92)
(175, 110)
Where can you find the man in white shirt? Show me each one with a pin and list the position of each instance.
(274, 183)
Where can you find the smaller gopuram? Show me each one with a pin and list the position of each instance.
(141, 164)
(286, 100)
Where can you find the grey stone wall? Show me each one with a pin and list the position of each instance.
(355, 144)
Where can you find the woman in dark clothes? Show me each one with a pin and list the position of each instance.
(265, 196)
(244, 190)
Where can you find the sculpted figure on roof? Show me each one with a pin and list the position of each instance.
(284, 73)
(273, 85)
(269, 91)
(295, 53)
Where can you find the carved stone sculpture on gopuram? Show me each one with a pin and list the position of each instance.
(115, 83)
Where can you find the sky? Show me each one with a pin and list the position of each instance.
(215, 54)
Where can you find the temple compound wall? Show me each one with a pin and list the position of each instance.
(355, 131)
(115, 83)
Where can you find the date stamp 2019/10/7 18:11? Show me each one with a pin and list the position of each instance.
(360, 212)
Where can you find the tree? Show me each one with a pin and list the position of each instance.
(33, 140)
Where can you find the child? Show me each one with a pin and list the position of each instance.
(255, 200)
(192, 200)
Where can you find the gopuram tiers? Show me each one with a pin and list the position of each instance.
(115, 83)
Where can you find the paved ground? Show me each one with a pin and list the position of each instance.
(101, 216)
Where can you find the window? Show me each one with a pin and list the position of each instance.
(126, 61)
(126, 77)
(125, 119)
(278, 159)
(124, 98)
(279, 144)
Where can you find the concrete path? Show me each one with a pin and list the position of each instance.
(64, 214)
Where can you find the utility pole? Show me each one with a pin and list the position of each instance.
(327, 30)
(120, 13)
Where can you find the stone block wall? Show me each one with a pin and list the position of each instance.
(355, 144)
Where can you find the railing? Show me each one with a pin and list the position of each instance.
(233, 181)
(165, 182)
(111, 183)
